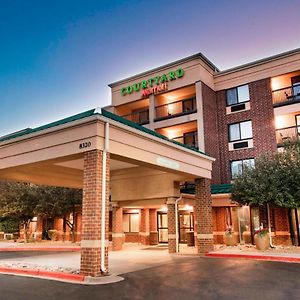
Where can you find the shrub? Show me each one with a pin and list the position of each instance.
(9, 224)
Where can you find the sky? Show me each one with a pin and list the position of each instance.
(57, 57)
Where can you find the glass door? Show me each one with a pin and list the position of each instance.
(244, 224)
(186, 223)
(162, 227)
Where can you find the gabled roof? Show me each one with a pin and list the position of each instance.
(50, 125)
(90, 113)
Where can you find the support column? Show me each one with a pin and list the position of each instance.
(153, 239)
(151, 111)
(58, 226)
(144, 228)
(91, 214)
(39, 228)
(171, 226)
(203, 207)
(117, 227)
(77, 229)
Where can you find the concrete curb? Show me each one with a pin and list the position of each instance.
(21, 249)
(60, 276)
(256, 257)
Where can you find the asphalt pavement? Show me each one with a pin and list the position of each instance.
(184, 279)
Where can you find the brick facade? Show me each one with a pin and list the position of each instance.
(262, 115)
(171, 227)
(210, 120)
(117, 228)
(219, 224)
(144, 227)
(91, 213)
(203, 209)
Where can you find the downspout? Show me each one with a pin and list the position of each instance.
(176, 224)
(103, 204)
(269, 225)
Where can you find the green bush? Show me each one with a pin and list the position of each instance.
(9, 225)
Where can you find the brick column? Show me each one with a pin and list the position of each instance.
(117, 227)
(91, 214)
(171, 226)
(153, 239)
(58, 226)
(39, 228)
(203, 208)
(77, 229)
(144, 227)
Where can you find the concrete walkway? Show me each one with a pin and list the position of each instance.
(131, 258)
(279, 253)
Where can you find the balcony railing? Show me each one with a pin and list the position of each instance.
(140, 117)
(287, 95)
(189, 139)
(287, 134)
(175, 109)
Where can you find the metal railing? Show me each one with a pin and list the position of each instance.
(287, 134)
(174, 109)
(286, 95)
(140, 117)
(183, 139)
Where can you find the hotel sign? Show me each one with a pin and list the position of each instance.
(153, 85)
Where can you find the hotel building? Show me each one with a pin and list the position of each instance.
(233, 116)
(157, 165)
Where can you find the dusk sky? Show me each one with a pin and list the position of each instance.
(57, 57)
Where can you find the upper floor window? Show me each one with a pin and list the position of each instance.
(238, 166)
(240, 131)
(238, 95)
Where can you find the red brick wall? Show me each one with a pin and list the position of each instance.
(132, 237)
(282, 228)
(262, 116)
(171, 228)
(210, 119)
(219, 223)
(91, 211)
(203, 208)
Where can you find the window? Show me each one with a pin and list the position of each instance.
(131, 222)
(188, 105)
(240, 131)
(296, 85)
(238, 95)
(191, 139)
(237, 166)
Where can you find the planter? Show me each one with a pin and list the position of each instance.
(262, 242)
(230, 239)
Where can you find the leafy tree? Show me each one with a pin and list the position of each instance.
(9, 224)
(274, 180)
(18, 200)
(23, 201)
(59, 202)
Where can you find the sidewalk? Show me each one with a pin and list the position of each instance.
(65, 266)
(6, 246)
(279, 253)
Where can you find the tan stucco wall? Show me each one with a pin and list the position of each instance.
(194, 70)
(142, 183)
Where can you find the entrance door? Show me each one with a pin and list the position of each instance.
(186, 223)
(162, 227)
